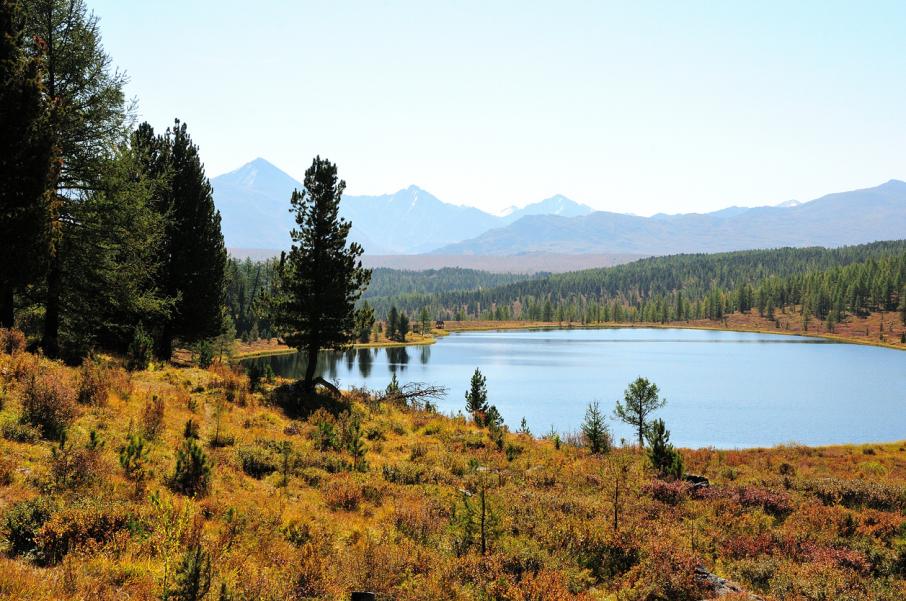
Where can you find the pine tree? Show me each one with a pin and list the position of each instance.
(364, 321)
(192, 474)
(323, 277)
(192, 580)
(403, 328)
(477, 397)
(86, 120)
(663, 457)
(425, 321)
(195, 253)
(393, 323)
(639, 400)
(595, 430)
(25, 164)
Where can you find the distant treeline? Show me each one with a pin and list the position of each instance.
(826, 282)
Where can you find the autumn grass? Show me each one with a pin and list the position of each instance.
(789, 522)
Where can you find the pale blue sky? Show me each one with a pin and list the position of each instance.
(627, 106)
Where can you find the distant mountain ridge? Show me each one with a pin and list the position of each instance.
(254, 205)
(844, 218)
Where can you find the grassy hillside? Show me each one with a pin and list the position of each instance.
(289, 512)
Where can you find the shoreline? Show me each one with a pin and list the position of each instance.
(281, 349)
(482, 326)
(507, 325)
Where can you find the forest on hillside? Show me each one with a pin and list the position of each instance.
(827, 282)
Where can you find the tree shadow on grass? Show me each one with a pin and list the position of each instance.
(298, 404)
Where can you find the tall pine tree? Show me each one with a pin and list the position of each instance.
(194, 251)
(87, 121)
(323, 277)
(25, 163)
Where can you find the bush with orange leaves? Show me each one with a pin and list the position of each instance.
(12, 341)
(48, 398)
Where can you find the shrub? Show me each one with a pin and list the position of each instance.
(153, 417)
(7, 467)
(12, 341)
(343, 493)
(73, 467)
(140, 351)
(671, 493)
(191, 429)
(19, 432)
(192, 473)
(257, 461)
(94, 383)
(48, 401)
(192, 580)
(856, 494)
(326, 437)
(773, 502)
(22, 523)
(204, 354)
(404, 473)
(234, 385)
(73, 528)
(133, 458)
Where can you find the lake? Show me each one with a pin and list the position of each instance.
(723, 389)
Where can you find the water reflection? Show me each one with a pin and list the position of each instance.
(398, 358)
(424, 354)
(365, 362)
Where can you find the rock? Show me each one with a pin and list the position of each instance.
(721, 587)
(697, 481)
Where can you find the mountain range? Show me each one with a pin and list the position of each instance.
(254, 205)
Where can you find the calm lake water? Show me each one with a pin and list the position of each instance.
(723, 389)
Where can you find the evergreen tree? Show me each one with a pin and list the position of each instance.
(663, 457)
(477, 397)
(424, 321)
(639, 400)
(323, 277)
(25, 163)
(595, 430)
(402, 328)
(192, 580)
(192, 474)
(364, 322)
(86, 120)
(195, 255)
(113, 286)
(393, 323)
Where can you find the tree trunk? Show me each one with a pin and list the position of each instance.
(642, 435)
(6, 308)
(308, 384)
(51, 339)
(164, 350)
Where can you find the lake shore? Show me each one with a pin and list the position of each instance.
(273, 346)
(790, 325)
(855, 330)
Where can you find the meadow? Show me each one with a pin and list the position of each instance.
(238, 492)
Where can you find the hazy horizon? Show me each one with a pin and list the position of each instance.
(626, 108)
